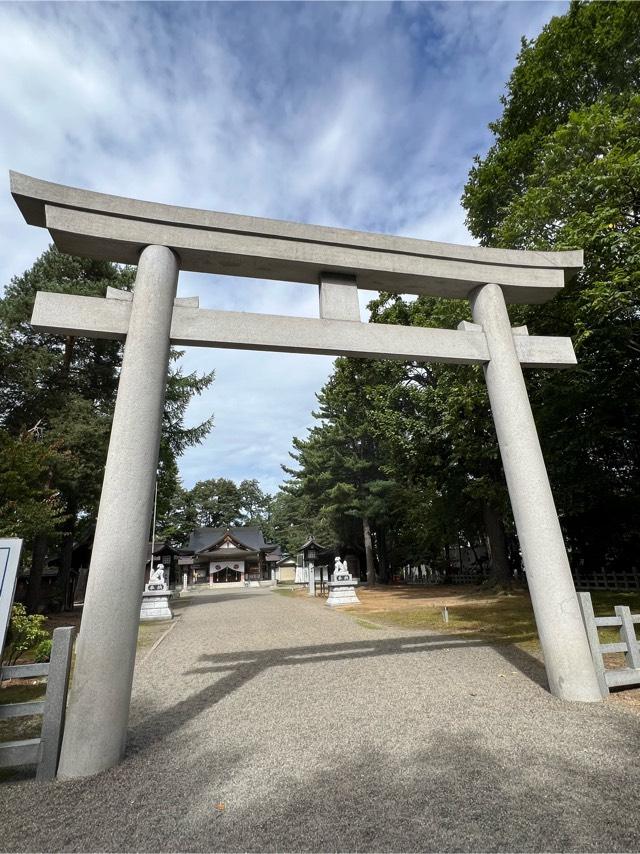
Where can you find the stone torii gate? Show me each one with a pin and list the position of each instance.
(161, 240)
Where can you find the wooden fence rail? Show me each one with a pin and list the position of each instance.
(44, 751)
(625, 622)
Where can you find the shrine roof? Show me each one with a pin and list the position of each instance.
(249, 536)
(310, 542)
(163, 547)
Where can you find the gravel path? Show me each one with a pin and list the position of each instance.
(264, 723)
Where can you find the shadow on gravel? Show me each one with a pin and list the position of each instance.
(241, 667)
(458, 793)
(461, 789)
(527, 664)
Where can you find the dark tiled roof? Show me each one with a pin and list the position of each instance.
(310, 542)
(249, 535)
(162, 547)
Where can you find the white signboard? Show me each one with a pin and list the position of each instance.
(9, 560)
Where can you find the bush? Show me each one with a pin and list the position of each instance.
(42, 652)
(25, 634)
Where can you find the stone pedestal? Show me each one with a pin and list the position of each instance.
(312, 580)
(342, 593)
(155, 605)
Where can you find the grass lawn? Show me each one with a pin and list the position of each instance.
(497, 618)
(148, 633)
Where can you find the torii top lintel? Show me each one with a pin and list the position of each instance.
(113, 228)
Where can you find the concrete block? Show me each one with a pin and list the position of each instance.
(155, 605)
(339, 297)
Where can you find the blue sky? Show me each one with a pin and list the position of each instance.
(361, 115)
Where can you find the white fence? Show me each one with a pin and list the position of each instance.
(427, 576)
(44, 751)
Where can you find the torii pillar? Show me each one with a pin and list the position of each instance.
(96, 726)
(544, 556)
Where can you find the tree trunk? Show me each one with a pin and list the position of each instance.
(65, 571)
(383, 558)
(447, 567)
(500, 572)
(69, 345)
(66, 553)
(35, 576)
(368, 551)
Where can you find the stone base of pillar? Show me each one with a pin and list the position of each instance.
(155, 605)
(341, 593)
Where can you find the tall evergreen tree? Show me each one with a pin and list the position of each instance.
(62, 389)
(564, 173)
(339, 463)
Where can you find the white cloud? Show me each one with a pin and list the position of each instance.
(363, 115)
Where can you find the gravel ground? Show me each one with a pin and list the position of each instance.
(264, 723)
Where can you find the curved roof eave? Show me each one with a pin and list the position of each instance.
(115, 228)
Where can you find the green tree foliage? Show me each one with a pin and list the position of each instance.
(293, 519)
(405, 450)
(255, 504)
(28, 505)
(564, 172)
(215, 503)
(439, 432)
(579, 59)
(62, 389)
(25, 634)
(339, 476)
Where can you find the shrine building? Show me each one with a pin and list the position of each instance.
(229, 556)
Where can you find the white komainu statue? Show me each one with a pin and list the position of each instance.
(157, 575)
(341, 570)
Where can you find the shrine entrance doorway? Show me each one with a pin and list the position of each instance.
(225, 574)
